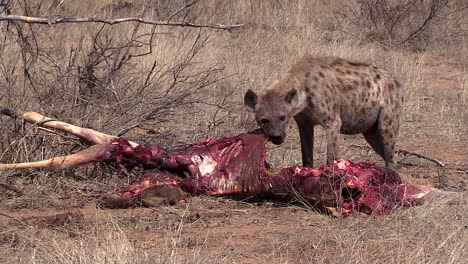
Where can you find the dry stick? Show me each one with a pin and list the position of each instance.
(409, 153)
(41, 20)
(61, 135)
(11, 187)
(189, 4)
(12, 217)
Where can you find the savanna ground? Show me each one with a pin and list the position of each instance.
(171, 86)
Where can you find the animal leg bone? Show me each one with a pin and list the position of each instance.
(87, 134)
(80, 158)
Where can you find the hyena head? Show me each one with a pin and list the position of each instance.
(272, 112)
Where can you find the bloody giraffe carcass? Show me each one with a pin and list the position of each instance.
(232, 166)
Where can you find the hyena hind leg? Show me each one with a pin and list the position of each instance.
(373, 137)
(381, 137)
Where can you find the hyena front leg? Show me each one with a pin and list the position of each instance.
(332, 131)
(306, 133)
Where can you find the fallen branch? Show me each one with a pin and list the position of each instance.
(12, 217)
(406, 153)
(187, 5)
(411, 153)
(41, 20)
(11, 188)
(42, 221)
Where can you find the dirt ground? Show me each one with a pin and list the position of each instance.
(223, 230)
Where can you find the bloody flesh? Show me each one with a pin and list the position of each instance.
(236, 166)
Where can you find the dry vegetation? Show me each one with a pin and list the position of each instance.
(172, 85)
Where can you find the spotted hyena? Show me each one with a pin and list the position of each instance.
(339, 95)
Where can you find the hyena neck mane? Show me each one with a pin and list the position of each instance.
(289, 84)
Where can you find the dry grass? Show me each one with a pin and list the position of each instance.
(190, 86)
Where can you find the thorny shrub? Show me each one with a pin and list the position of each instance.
(114, 79)
(414, 23)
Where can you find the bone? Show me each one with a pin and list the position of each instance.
(58, 163)
(11, 187)
(87, 134)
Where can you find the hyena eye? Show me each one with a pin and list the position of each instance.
(264, 121)
(283, 117)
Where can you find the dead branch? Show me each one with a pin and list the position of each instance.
(411, 153)
(406, 153)
(42, 20)
(11, 188)
(187, 5)
(12, 217)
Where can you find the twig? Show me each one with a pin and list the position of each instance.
(360, 146)
(411, 153)
(407, 153)
(59, 4)
(49, 130)
(12, 217)
(63, 136)
(125, 130)
(77, 195)
(41, 20)
(189, 4)
(12, 188)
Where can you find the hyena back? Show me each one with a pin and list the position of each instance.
(341, 96)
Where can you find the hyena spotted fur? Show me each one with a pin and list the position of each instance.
(341, 96)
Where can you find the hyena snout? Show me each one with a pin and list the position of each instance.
(276, 139)
(276, 136)
(275, 130)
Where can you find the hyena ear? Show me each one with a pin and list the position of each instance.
(250, 100)
(292, 97)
